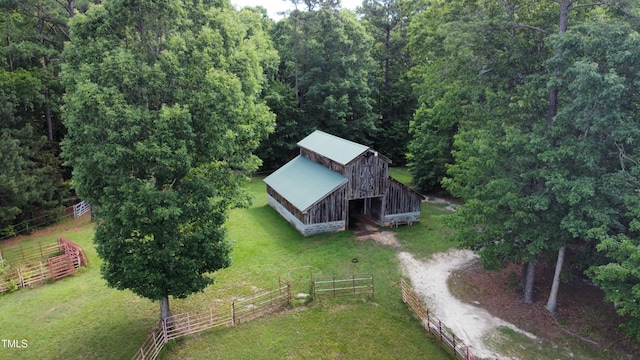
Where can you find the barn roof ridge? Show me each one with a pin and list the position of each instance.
(338, 149)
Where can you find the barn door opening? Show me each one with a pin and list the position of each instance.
(364, 214)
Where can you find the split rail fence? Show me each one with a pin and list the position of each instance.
(54, 262)
(433, 324)
(188, 323)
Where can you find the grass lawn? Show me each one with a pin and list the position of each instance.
(80, 318)
(77, 317)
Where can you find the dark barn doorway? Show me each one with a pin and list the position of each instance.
(364, 214)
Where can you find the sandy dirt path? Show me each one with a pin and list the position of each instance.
(471, 323)
(474, 325)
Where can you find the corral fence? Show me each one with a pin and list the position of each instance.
(343, 285)
(53, 262)
(433, 324)
(241, 310)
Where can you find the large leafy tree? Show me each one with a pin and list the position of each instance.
(163, 114)
(465, 55)
(324, 78)
(535, 107)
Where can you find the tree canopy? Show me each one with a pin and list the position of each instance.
(163, 114)
(527, 113)
(525, 110)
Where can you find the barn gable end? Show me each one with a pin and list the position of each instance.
(334, 179)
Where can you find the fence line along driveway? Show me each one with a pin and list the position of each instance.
(433, 324)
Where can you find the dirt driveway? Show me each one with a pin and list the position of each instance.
(429, 278)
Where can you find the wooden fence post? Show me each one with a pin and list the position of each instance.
(165, 335)
(20, 283)
(353, 283)
(233, 313)
(373, 287)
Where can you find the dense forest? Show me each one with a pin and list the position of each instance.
(527, 111)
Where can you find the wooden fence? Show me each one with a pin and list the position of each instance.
(343, 285)
(433, 324)
(54, 262)
(188, 323)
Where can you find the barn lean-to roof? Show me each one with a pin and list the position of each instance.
(303, 182)
(330, 146)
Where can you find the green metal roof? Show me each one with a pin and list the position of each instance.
(303, 182)
(337, 149)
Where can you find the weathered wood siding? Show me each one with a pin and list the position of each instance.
(401, 199)
(368, 176)
(330, 208)
(324, 161)
(287, 205)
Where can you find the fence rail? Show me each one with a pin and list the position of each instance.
(341, 285)
(188, 323)
(433, 324)
(152, 345)
(54, 262)
(80, 209)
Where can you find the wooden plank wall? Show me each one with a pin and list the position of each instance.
(401, 199)
(287, 205)
(324, 161)
(331, 208)
(368, 177)
(368, 174)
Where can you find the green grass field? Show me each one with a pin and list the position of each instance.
(81, 318)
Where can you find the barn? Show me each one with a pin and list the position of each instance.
(334, 181)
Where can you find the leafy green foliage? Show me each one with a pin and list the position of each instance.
(536, 171)
(387, 21)
(31, 183)
(28, 182)
(323, 81)
(620, 279)
(163, 114)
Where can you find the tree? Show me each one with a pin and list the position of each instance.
(620, 279)
(336, 65)
(33, 186)
(28, 182)
(163, 113)
(387, 22)
(324, 73)
(537, 109)
(461, 51)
